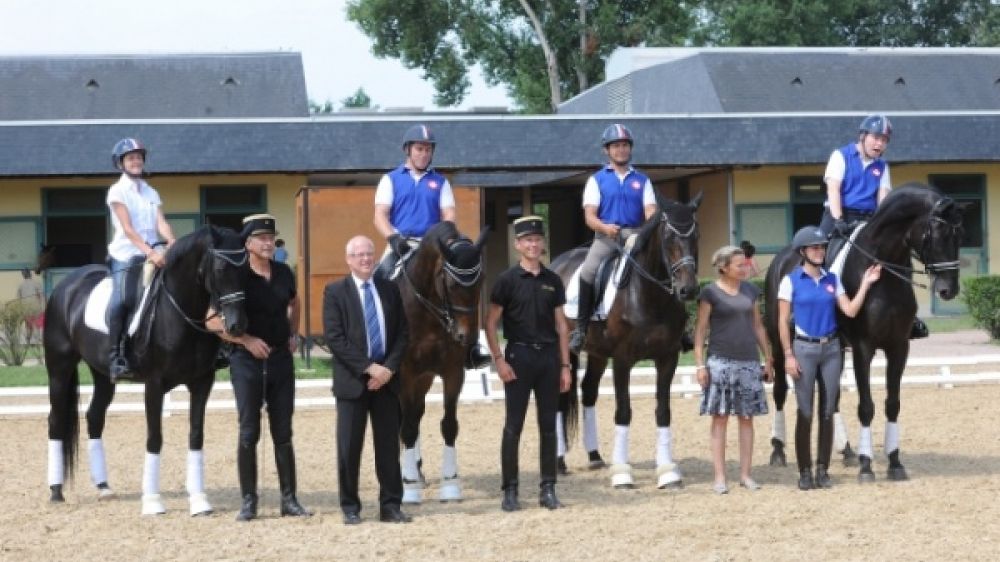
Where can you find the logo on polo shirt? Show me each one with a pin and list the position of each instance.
(829, 288)
(876, 172)
(433, 184)
(636, 184)
(548, 288)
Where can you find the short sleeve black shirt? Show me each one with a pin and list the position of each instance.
(267, 304)
(529, 302)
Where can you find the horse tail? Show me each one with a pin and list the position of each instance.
(64, 417)
(569, 405)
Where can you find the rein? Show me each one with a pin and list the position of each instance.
(228, 298)
(666, 285)
(445, 314)
(904, 272)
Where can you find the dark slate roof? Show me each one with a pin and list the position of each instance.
(172, 86)
(480, 144)
(802, 80)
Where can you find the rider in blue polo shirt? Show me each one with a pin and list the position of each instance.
(616, 201)
(857, 177)
(410, 200)
(813, 295)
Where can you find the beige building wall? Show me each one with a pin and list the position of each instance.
(713, 217)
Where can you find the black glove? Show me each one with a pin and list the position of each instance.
(841, 228)
(399, 245)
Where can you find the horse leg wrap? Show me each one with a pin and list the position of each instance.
(668, 476)
(560, 436)
(778, 426)
(839, 432)
(195, 484)
(621, 476)
(56, 475)
(590, 428)
(891, 437)
(451, 485)
(151, 502)
(865, 442)
(620, 453)
(413, 486)
(99, 469)
(667, 473)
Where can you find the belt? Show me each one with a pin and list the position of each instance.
(825, 339)
(534, 345)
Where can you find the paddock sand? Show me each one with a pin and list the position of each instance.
(947, 511)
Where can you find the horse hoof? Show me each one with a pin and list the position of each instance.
(866, 477)
(897, 474)
(451, 490)
(668, 477)
(621, 477)
(199, 505)
(104, 492)
(56, 495)
(561, 466)
(412, 495)
(151, 505)
(849, 456)
(778, 458)
(595, 462)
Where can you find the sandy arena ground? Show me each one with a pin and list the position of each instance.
(948, 510)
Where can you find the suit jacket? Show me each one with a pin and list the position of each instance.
(345, 333)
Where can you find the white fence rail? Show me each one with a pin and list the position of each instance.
(484, 386)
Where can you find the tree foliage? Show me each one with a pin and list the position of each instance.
(359, 99)
(544, 51)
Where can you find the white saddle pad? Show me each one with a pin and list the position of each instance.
(95, 315)
(838, 261)
(603, 307)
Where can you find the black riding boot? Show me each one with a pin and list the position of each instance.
(508, 467)
(802, 454)
(284, 457)
(246, 462)
(547, 468)
(585, 310)
(919, 329)
(119, 365)
(823, 452)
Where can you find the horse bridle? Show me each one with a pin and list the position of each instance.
(236, 258)
(672, 268)
(466, 277)
(904, 272)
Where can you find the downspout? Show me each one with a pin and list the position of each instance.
(731, 205)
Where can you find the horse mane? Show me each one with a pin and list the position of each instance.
(679, 214)
(903, 205)
(441, 234)
(217, 237)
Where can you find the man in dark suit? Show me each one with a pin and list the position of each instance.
(365, 327)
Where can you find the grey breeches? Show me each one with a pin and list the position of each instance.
(600, 249)
(822, 362)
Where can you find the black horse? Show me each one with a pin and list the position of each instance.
(170, 347)
(440, 285)
(646, 321)
(913, 221)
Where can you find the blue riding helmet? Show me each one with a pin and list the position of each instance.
(418, 133)
(615, 133)
(124, 147)
(876, 124)
(809, 236)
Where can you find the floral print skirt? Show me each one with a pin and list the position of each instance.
(735, 388)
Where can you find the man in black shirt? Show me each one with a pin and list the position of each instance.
(530, 298)
(261, 366)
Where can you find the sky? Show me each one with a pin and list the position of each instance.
(336, 55)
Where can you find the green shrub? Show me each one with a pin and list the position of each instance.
(16, 340)
(982, 296)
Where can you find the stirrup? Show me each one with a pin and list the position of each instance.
(577, 340)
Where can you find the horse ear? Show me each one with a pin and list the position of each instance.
(694, 203)
(482, 237)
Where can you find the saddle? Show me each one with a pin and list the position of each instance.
(391, 265)
(97, 312)
(612, 274)
(838, 249)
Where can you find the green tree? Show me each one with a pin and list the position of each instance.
(542, 51)
(316, 108)
(359, 99)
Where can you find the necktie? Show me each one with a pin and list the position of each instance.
(375, 350)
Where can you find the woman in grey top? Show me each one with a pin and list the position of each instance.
(731, 377)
